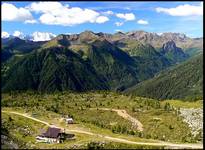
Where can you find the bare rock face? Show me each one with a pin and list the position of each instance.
(157, 41)
(8, 143)
(173, 53)
(170, 45)
(194, 118)
(174, 36)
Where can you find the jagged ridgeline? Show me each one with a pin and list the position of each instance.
(91, 61)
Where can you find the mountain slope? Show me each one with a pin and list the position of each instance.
(85, 61)
(116, 67)
(173, 53)
(49, 70)
(183, 81)
(149, 61)
(103, 66)
(12, 46)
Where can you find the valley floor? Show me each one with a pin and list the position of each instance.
(115, 139)
(102, 119)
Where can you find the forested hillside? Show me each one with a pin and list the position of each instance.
(184, 81)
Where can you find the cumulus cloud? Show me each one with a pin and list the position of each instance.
(54, 13)
(127, 8)
(119, 23)
(183, 10)
(42, 36)
(47, 7)
(31, 21)
(18, 34)
(127, 17)
(159, 33)
(102, 19)
(108, 12)
(35, 36)
(12, 13)
(144, 22)
(118, 30)
(4, 34)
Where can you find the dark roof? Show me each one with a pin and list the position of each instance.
(52, 132)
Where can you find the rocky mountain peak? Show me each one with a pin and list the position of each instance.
(170, 45)
(88, 36)
(174, 36)
(62, 36)
(87, 33)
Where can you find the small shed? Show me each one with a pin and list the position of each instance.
(69, 120)
(52, 135)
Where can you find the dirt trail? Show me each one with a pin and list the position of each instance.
(125, 115)
(166, 144)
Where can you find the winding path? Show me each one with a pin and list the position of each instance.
(166, 144)
(125, 115)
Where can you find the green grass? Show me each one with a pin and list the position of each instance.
(80, 140)
(89, 127)
(19, 125)
(185, 104)
(165, 126)
(116, 145)
(21, 130)
(50, 107)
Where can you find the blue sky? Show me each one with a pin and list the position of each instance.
(75, 17)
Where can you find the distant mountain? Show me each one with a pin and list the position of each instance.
(191, 46)
(15, 45)
(173, 53)
(85, 61)
(184, 81)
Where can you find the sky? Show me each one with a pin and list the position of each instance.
(53, 18)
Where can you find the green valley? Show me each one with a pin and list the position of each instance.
(127, 90)
(85, 108)
(183, 81)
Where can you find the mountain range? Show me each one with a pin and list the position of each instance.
(93, 61)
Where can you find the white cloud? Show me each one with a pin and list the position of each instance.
(108, 12)
(144, 22)
(118, 30)
(4, 34)
(127, 8)
(42, 36)
(47, 7)
(159, 33)
(119, 23)
(35, 36)
(183, 10)
(31, 21)
(127, 17)
(12, 13)
(102, 19)
(18, 34)
(54, 13)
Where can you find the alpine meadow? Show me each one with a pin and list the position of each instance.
(102, 75)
